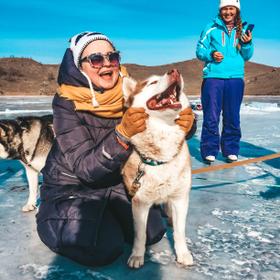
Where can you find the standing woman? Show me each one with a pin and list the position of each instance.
(224, 47)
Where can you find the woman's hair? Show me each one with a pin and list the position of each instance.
(238, 24)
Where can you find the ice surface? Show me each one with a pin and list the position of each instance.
(259, 107)
(233, 228)
(22, 112)
(13, 106)
(56, 272)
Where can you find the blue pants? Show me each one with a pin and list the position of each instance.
(221, 95)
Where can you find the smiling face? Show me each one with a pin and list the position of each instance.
(105, 77)
(228, 14)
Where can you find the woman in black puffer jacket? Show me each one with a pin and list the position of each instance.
(85, 213)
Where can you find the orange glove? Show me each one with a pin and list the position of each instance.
(185, 120)
(133, 122)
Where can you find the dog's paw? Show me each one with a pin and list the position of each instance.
(28, 208)
(135, 261)
(185, 259)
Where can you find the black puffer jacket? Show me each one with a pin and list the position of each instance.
(85, 213)
(86, 151)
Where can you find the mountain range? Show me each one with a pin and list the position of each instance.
(25, 76)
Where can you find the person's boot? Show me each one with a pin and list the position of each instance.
(209, 159)
(231, 158)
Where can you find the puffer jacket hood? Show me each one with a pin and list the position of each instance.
(69, 74)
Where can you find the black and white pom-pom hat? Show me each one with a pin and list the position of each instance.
(77, 45)
(80, 41)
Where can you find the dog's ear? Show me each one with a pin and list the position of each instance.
(23, 123)
(129, 86)
(3, 131)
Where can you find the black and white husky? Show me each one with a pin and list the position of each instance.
(29, 140)
(159, 169)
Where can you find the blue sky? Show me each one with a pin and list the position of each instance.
(150, 32)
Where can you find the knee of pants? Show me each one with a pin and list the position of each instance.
(210, 127)
(82, 241)
(105, 251)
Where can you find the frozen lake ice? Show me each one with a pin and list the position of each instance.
(233, 227)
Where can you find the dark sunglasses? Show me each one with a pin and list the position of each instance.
(96, 60)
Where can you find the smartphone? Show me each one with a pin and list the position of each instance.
(250, 28)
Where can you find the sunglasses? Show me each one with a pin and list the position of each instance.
(97, 60)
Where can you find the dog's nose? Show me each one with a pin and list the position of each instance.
(175, 74)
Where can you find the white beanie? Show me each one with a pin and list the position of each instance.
(80, 41)
(235, 3)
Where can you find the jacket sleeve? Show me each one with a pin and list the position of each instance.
(203, 48)
(247, 50)
(88, 161)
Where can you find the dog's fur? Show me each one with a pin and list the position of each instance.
(29, 140)
(162, 141)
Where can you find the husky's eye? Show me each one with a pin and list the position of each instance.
(152, 83)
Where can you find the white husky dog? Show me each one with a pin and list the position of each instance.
(159, 168)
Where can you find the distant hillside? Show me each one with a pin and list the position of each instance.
(24, 76)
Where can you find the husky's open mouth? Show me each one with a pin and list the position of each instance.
(169, 99)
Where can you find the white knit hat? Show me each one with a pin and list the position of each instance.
(80, 41)
(235, 3)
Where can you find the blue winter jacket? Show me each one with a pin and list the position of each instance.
(215, 37)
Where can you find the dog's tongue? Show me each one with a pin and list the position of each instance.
(152, 104)
(165, 100)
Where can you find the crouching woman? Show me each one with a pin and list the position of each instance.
(85, 213)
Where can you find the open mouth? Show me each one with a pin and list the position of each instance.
(169, 99)
(108, 73)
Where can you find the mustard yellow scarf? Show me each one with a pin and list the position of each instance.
(110, 101)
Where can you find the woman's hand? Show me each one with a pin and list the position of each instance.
(186, 119)
(246, 37)
(217, 56)
(133, 122)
